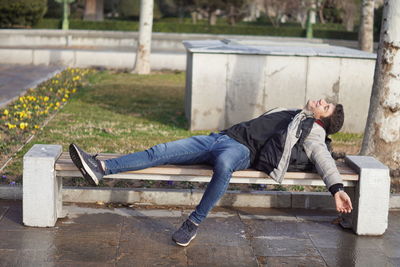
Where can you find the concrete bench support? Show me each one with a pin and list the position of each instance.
(372, 193)
(42, 197)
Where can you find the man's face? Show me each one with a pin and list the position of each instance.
(320, 108)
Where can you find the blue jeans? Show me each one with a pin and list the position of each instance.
(225, 154)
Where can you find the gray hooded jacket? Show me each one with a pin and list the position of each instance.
(315, 148)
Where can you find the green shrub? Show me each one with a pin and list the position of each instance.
(169, 25)
(345, 35)
(107, 25)
(21, 13)
(131, 9)
(74, 24)
(48, 24)
(54, 9)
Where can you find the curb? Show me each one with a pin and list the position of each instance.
(190, 197)
(33, 84)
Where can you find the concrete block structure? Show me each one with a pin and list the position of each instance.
(41, 195)
(372, 194)
(231, 81)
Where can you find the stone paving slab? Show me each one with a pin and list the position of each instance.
(16, 79)
(3, 211)
(94, 235)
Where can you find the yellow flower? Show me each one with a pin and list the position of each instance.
(23, 125)
(64, 100)
(22, 114)
(11, 126)
(6, 112)
(36, 126)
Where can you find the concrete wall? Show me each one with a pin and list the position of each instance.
(120, 59)
(111, 49)
(160, 41)
(230, 88)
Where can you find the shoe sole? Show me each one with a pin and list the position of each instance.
(185, 244)
(77, 159)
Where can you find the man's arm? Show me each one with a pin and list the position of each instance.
(318, 153)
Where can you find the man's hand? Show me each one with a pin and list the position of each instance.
(343, 202)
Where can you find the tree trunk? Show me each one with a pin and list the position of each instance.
(382, 135)
(365, 35)
(321, 11)
(349, 12)
(142, 64)
(181, 11)
(194, 15)
(349, 24)
(212, 17)
(313, 14)
(253, 11)
(94, 10)
(231, 15)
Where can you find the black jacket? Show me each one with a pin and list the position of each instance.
(278, 137)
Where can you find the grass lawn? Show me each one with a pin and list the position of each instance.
(122, 113)
(116, 112)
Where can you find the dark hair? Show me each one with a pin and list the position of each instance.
(334, 123)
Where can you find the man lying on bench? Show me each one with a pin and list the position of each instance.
(278, 140)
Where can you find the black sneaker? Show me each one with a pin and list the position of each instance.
(186, 233)
(89, 166)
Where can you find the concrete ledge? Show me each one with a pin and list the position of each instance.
(181, 197)
(160, 40)
(82, 58)
(312, 200)
(113, 49)
(11, 192)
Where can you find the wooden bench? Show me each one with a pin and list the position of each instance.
(202, 173)
(366, 179)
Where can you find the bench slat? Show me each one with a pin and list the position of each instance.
(189, 178)
(66, 168)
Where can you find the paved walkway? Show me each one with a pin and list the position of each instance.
(16, 79)
(123, 236)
